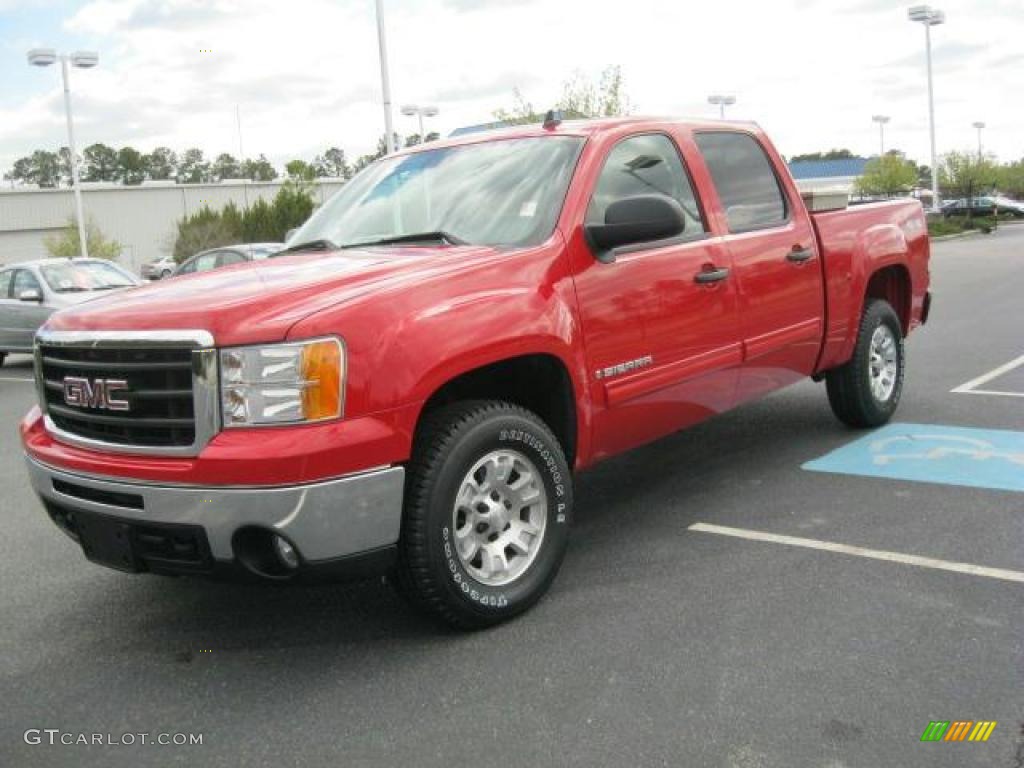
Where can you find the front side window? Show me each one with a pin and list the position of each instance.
(505, 192)
(73, 277)
(746, 183)
(645, 165)
(25, 281)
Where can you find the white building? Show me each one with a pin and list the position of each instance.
(141, 218)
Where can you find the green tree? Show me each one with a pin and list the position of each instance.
(887, 176)
(161, 164)
(193, 168)
(966, 175)
(131, 166)
(293, 204)
(300, 170)
(64, 159)
(1011, 179)
(225, 166)
(67, 244)
(832, 154)
(201, 231)
(258, 225)
(41, 167)
(99, 163)
(333, 163)
(582, 97)
(259, 169)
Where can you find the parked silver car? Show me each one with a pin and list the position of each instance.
(224, 256)
(159, 269)
(33, 290)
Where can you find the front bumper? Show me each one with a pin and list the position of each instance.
(353, 519)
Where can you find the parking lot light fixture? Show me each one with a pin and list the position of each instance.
(420, 111)
(385, 81)
(44, 57)
(930, 17)
(721, 101)
(881, 120)
(978, 126)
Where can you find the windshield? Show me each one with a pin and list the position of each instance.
(504, 192)
(72, 277)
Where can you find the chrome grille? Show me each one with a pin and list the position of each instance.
(170, 389)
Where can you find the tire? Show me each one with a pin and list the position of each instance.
(866, 390)
(165, 274)
(447, 562)
(3, 356)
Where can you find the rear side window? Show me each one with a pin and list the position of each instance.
(230, 257)
(5, 283)
(645, 165)
(746, 183)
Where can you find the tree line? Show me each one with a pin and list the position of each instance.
(127, 165)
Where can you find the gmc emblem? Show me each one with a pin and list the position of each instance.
(96, 393)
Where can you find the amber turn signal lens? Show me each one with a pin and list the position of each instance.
(323, 373)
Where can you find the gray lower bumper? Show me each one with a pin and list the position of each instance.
(327, 520)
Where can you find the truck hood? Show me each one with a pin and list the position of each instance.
(259, 301)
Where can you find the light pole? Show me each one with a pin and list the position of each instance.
(881, 120)
(979, 125)
(930, 17)
(44, 57)
(385, 83)
(722, 101)
(427, 111)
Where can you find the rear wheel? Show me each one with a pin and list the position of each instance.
(488, 501)
(866, 391)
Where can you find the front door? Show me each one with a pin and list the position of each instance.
(659, 322)
(26, 316)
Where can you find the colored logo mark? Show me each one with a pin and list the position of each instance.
(958, 730)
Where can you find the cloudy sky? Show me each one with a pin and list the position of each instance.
(304, 73)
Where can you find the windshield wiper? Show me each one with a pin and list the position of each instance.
(111, 287)
(313, 245)
(438, 235)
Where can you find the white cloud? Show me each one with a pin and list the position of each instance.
(305, 72)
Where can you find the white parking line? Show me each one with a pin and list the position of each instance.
(13, 378)
(874, 554)
(971, 387)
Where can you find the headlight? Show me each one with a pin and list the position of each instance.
(282, 383)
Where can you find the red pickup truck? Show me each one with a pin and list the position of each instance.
(412, 386)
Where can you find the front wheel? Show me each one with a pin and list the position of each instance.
(865, 391)
(488, 502)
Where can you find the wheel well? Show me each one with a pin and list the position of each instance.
(539, 383)
(893, 285)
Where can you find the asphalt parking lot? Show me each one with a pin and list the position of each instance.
(659, 644)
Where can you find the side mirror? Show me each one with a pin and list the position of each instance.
(30, 295)
(639, 219)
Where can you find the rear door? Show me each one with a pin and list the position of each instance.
(661, 346)
(774, 254)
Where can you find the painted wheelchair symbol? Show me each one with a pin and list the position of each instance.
(937, 447)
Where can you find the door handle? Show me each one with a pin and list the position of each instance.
(799, 255)
(707, 276)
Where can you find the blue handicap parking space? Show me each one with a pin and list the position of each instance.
(932, 453)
